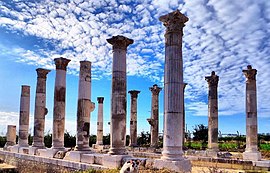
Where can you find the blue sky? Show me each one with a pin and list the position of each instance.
(221, 35)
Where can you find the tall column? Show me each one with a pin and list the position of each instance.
(133, 118)
(100, 121)
(154, 120)
(212, 111)
(24, 116)
(59, 103)
(40, 108)
(251, 152)
(184, 116)
(11, 136)
(85, 107)
(173, 80)
(118, 95)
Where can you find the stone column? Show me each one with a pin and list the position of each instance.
(154, 120)
(24, 116)
(40, 108)
(118, 95)
(251, 152)
(59, 103)
(11, 136)
(100, 121)
(85, 107)
(133, 118)
(212, 111)
(172, 154)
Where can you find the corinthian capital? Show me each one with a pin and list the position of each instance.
(134, 93)
(155, 89)
(120, 42)
(61, 63)
(42, 73)
(250, 73)
(174, 21)
(213, 79)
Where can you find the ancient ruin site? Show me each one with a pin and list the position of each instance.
(125, 140)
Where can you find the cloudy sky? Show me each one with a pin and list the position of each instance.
(221, 35)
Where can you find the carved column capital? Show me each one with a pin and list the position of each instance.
(213, 79)
(250, 73)
(174, 21)
(42, 73)
(100, 99)
(61, 63)
(120, 42)
(155, 89)
(134, 93)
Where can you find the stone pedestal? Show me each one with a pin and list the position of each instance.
(251, 152)
(118, 95)
(59, 112)
(24, 116)
(154, 120)
(85, 107)
(212, 112)
(133, 118)
(100, 121)
(40, 108)
(10, 136)
(172, 154)
(177, 166)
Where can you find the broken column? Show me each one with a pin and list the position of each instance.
(212, 112)
(59, 103)
(100, 121)
(172, 154)
(154, 120)
(251, 151)
(85, 107)
(118, 95)
(10, 136)
(40, 108)
(24, 116)
(133, 118)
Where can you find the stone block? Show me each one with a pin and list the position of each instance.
(178, 166)
(253, 156)
(262, 163)
(49, 153)
(211, 153)
(24, 150)
(88, 158)
(14, 149)
(114, 161)
(75, 155)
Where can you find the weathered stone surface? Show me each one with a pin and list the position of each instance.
(40, 108)
(212, 112)
(251, 152)
(172, 154)
(59, 103)
(100, 121)
(24, 116)
(133, 118)
(118, 95)
(10, 136)
(154, 120)
(85, 107)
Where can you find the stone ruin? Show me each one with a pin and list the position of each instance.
(82, 157)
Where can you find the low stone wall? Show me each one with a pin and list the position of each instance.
(36, 164)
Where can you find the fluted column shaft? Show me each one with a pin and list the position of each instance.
(251, 151)
(85, 107)
(40, 108)
(184, 117)
(173, 86)
(118, 95)
(212, 111)
(154, 120)
(59, 112)
(133, 118)
(24, 116)
(10, 136)
(100, 121)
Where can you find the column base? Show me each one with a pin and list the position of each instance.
(114, 161)
(211, 153)
(252, 155)
(183, 165)
(172, 153)
(117, 151)
(76, 155)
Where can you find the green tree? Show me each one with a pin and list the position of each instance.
(144, 139)
(69, 140)
(200, 133)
